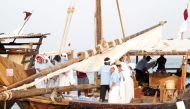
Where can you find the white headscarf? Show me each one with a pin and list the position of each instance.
(115, 67)
(125, 69)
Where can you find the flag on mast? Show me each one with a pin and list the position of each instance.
(27, 15)
(183, 27)
(21, 28)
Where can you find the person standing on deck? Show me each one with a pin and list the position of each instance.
(57, 59)
(124, 59)
(51, 81)
(161, 61)
(82, 78)
(65, 78)
(105, 74)
(64, 57)
(40, 64)
(141, 69)
(114, 93)
(126, 84)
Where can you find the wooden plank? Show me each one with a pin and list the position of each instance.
(28, 52)
(16, 58)
(11, 44)
(24, 36)
(19, 73)
(15, 49)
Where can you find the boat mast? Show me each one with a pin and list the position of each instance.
(98, 36)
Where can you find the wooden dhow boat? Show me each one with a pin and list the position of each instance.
(157, 47)
(134, 45)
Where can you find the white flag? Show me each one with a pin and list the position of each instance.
(183, 27)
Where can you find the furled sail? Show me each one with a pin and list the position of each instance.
(145, 40)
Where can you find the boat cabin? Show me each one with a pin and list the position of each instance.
(17, 54)
(159, 79)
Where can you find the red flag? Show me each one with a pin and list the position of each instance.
(27, 14)
(185, 14)
(183, 27)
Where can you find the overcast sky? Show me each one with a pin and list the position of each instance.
(49, 17)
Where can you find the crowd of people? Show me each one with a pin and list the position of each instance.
(115, 77)
(43, 62)
(63, 79)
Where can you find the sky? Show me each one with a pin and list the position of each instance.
(49, 16)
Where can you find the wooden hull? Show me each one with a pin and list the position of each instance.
(33, 105)
(79, 105)
(41, 103)
(96, 105)
(30, 103)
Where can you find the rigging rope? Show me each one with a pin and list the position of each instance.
(119, 12)
(70, 11)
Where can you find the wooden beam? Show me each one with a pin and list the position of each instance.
(7, 44)
(24, 36)
(142, 53)
(19, 52)
(35, 92)
(43, 100)
(184, 71)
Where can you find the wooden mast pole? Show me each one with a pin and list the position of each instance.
(98, 37)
